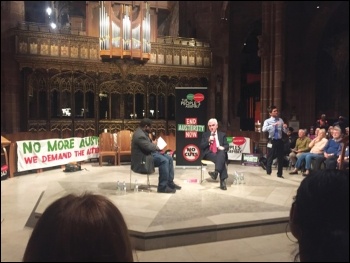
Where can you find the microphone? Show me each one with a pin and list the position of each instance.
(212, 138)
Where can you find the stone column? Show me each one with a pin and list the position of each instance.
(271, 53)
(224, 93)
(12, 12)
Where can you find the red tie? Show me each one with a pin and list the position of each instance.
(213, 147)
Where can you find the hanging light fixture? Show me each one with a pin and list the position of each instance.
(125, 31)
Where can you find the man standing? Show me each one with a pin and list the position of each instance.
(274, 126)
(142, 145)
(214, 147)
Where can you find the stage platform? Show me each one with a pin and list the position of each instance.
(198, 213)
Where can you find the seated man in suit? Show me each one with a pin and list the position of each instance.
(214, 147)
(141, 145)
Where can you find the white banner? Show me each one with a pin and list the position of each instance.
(238, 145)
(38, 154)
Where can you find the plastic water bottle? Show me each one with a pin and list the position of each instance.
(124, 188)
(235, 178)
(118, 188)
(242, 178)
(136, 187)
(238, 177)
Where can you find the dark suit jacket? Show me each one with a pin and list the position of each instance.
(141, 145)
(205, 145)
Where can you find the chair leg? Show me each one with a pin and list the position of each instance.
(148, 188)
(202, 175)
(148, 183)
(130, 177)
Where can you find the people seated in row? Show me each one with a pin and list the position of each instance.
(301, 146)
(214, 148)
(80, 228)
(319, 217)
(142, 145)
(331, 150)
(316, 151)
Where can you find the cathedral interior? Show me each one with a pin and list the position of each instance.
(83, 76)
(80, 68)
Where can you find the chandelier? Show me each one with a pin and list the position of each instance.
(125, 31)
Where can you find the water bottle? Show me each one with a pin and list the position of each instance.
(124, 188)
(136, 187)
(118, 188)
(238, 178)
(235, 178)
(242, 178)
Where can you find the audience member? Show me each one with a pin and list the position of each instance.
(316, 146)
(301, 146)
(84, 228)
(342, 123)
(330, 151)
(214, 147)
(142, 145)
(319, 217)
(322, 123)
(312, 133)
(289, 142)
(330, 132)
(274, 126)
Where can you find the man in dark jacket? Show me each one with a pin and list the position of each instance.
(142, 145)
(214, 147)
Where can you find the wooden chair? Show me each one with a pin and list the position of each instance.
(124, 143)
(107, 147)
(4, 143)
